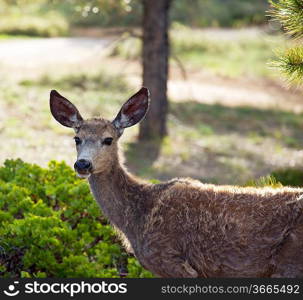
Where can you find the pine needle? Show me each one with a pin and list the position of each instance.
(290, 14)
(290, 63)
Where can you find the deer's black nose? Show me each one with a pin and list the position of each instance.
(83, 165)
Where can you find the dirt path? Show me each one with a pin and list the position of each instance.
(29, 58)
(210, 89)
(40, 52)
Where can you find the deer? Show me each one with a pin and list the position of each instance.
(184, 228)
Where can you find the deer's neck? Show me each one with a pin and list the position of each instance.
(122, 198)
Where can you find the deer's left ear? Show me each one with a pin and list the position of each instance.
(132, 111)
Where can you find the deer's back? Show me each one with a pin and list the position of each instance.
(222, 229)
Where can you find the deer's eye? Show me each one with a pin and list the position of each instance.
(107, 141)
(77, 140)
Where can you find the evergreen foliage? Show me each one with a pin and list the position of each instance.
(290, 14)
(50, 226)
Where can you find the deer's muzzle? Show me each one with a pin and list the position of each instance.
(83, 166)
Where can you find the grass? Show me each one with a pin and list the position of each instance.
(93, 81)
(221, 144)
(213, 143)
(255, 124)
(96, 93)
(263, 181)
(228, 54)
(10, 37)
(26, 123)
(233, 56)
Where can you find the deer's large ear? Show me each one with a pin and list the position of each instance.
(132, 111)
(64, 111)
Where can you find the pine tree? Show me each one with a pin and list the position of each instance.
(290, 14)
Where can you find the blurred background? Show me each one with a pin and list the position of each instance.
(227, 116)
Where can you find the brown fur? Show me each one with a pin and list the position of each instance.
(184, 228)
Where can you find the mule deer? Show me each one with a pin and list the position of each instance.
(184, 228)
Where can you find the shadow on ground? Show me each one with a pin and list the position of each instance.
(246, 121)
(219, 144)
(140, 156)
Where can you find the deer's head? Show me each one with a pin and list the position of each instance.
(96, 139)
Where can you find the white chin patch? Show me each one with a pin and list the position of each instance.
(83, 176)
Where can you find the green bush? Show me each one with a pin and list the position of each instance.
(50, 226)
(279, 178)
(289, 177)
(47, 26)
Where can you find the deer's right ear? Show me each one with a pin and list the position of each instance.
(64, 111)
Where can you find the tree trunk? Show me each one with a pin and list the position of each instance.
(155, 66)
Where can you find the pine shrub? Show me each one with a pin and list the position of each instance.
(50, 226)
